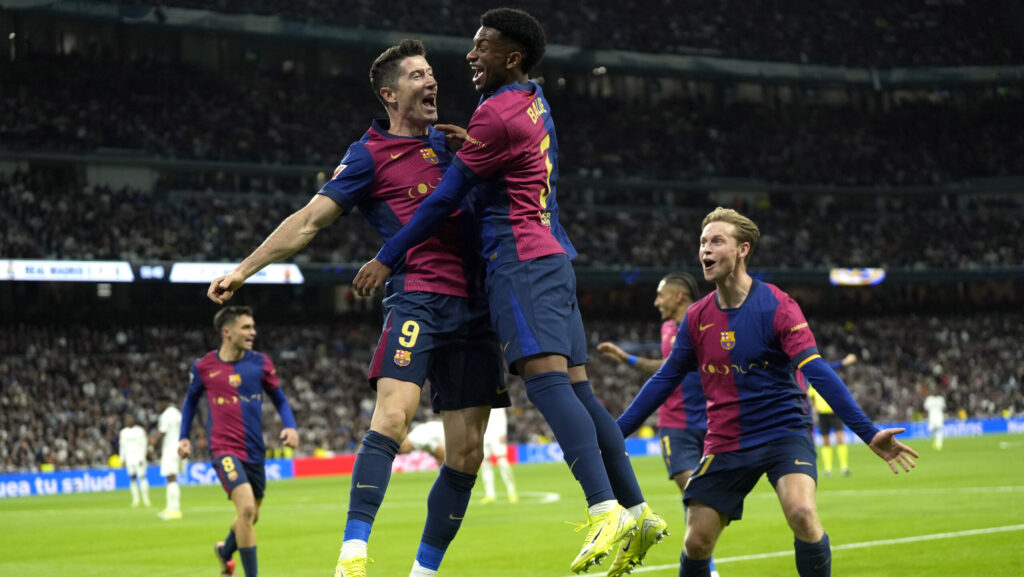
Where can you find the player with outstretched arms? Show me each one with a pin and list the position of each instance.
(234, 380)
(511, 158)
(746, 339)
(436, 320)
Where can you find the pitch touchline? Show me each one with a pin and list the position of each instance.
(882, 542)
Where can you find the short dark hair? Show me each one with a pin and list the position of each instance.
(227, 315)
(684, 280)
(385, 69)
(524, 32)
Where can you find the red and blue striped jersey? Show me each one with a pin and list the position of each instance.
(234, 394)
(685, 407)
(513, 148)
(387, 177)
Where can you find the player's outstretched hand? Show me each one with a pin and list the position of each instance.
(223, 287)
(612, 351)
(894, 452)
(290, 437)
(456, 136)
(370, 278)
(184, 448)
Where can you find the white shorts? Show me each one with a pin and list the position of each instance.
(935, 426)
(171, 465)
(496, 448)
(136, 469)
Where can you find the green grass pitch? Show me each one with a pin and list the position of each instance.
(960, 513)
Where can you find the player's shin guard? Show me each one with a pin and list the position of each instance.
(574, 430)
(446, 506)
(813, 559)
(613, 449)
(370, 476)
(694, 567)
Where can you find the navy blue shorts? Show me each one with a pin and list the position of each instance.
(446, 339)
(534, 309)
(234, 472)
(681, 448)
(722, 481)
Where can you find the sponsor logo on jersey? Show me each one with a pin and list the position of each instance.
(338, 170)
(728, 340)
(429, 155)
(403, 358)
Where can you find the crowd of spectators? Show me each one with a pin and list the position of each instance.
(871, 33)
(52, 218)
(165, 111)
(64, 390)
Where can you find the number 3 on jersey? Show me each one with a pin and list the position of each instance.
(411, 330)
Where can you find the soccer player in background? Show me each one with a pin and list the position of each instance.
(828, 422)
(496, 446)
(935, 405)
(746, 339)
(511, 156)
(682, 418)
(427, 437)
(234, 379)
(133, 445)
(436, 324)
(171, 465)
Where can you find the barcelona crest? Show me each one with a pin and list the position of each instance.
(429, 155)
(235, 380)
(728, 340)
(403, 358)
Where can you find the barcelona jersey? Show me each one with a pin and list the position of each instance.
(387, 177)
(685, 407)
(234, 393)
(746, 358)
(512, 155)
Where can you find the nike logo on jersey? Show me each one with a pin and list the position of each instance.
(799, 462)
(394, 156)
(215, 373)
(706, 327)
(362, 486)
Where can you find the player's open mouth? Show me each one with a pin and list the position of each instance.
(478, 74)
(430, 103)
(708, 264)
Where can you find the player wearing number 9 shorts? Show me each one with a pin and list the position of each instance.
(511, 158)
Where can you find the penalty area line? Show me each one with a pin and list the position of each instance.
(862, 545)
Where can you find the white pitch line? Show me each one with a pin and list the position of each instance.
(865, 544)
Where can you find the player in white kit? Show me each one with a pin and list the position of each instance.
(496, 444)
(171, 465)
(429, 437)
(133, 445)
(935, 404)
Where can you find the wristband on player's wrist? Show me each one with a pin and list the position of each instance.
(631, 360)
